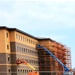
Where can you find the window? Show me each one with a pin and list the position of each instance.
(8, 70)
(17, 47)
(30, 51)
(27, 71)
(24, 49)
(8, 58)
(21, 38)
(30, 61)
(23, 71)
(18, 70)
(20, 48)
(27, 60)
(7, 46)
(16, 36)
(31, 41)
(27, 40)
(7, 35)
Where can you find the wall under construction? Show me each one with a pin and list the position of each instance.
(47, 63)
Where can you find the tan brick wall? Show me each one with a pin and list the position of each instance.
(4, 41)
(23, 39)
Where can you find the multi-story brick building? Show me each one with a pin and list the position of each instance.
(15, 44)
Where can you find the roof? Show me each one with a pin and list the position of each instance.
(11, 29)
(40, 39)
(37, 38)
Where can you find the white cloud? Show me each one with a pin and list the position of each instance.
(49, 14)
(53, 15)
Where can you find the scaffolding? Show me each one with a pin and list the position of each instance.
(47, 63)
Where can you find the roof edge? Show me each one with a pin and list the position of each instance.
(37, 38)
(10, 29)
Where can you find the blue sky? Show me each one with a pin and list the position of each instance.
(54, 20)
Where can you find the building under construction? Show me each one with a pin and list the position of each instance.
(15, 44)
(48, 63)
